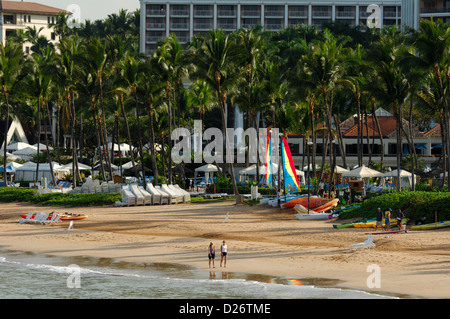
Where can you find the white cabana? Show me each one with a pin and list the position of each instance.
(405, 177)
(27, 153)
(362, 172)
(27, 172)
(81, 166)
(42, 146)
(340, 170)
(15, 147)
(208, 170)
(251, 170)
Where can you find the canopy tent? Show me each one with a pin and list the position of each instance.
(15, 147)
(27, 172)
(124, 148)
(128, 165)
(405, 176)
(306, 168)
(362, 172)
(340, 170)
(81, 166)
(42, 146)
(99, 166)
(27, 153)
(10, 167)
(208, 170)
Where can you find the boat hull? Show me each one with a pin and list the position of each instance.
(430, 226)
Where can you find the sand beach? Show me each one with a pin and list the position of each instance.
(261, 240)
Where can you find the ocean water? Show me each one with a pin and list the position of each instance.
(34, 276)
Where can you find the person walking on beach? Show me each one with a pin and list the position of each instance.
(400, 217)
(387, 219)
(224, 252)
(211, 254)
(379, 222)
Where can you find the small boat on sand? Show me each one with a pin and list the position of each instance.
(64, 217)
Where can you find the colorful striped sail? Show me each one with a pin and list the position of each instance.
(290, 176)
(268, 162)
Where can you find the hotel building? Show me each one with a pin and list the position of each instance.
(186, 18)
(16, 15)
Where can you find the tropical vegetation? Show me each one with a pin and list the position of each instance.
(99, 87)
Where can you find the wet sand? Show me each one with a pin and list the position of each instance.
(260, 239)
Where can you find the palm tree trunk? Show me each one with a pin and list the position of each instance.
(5, 95)
(151, 135)
(49, 157)
(105, 132)
(377, 123)
(141, 151)
(169, 110)
(128, 133)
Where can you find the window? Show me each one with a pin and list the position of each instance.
(53, 36)
(29, 19)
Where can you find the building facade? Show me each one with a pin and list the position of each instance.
(186, 18)
(19, 15)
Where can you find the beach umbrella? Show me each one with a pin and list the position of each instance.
(42, 146)
(81, 166)
(208, 168)
(362, 172)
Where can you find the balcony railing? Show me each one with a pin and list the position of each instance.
(435, 10)
(226, 13)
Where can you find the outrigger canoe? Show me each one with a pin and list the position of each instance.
(320, 209)
(350, 225)
(314, 202)
(432, 225)
(64, 217)
(373, 224)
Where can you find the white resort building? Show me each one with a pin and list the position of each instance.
(186, 18)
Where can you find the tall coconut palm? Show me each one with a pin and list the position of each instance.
(393, 88)
(433, 46)
(11, 59)
(169, 61)
(131, 71)
(214, 60)
(94, 57)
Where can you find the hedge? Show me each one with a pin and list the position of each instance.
(19, 194)
(415, 205)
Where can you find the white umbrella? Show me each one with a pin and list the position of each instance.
(362, 172)
(340, 170)
(17, 146)
(42, 146)
(394, 173)
(207, 168)
(81, 166)
(27, 151)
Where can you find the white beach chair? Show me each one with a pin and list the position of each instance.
(178, 198)
(136, 192)
(147, 196)
(26, 219)
(56, 218)
(156, 195)
(187, 196)
(170, 199)
(70, 226)
(368, 243)
(128, 198)
(40, 218)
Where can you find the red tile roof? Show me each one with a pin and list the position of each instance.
(387, 127)
(27, 7)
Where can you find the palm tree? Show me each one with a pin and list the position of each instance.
(392, 87)
(170, 62)
(94, 58)
(65, 72)
(131, 71)
(41, 85)
(11, 59)
(214, 60)
(202, 97)
(433, 46)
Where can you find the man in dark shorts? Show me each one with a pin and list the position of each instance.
(379, 222)
(211, 254)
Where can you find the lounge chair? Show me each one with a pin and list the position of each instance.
(178, 198)
(136, 192)
(40, 218)
(147, 196)
(26, 219)
(128, 197)
(156, 196)
(368, 243)
(56, 218)
(171, 199)
(186, 194)
(70, 225)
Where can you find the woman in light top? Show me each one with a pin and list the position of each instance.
(224, 252)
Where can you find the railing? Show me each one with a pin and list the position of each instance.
(155, 25)
(435, 10)
(179, 13)
(345, 14)
(159, 12)
(227, 26)
(321, 14)
(250, 13)
(203, 13)
(226, 13)
(298, 13)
